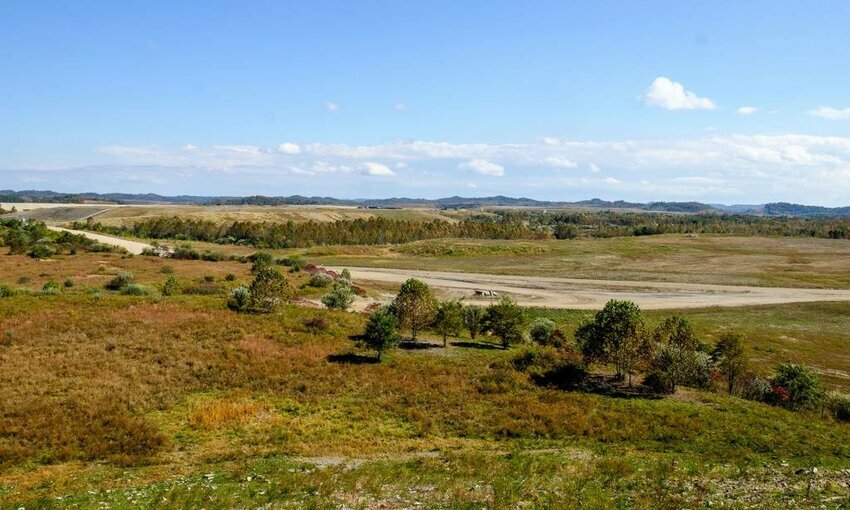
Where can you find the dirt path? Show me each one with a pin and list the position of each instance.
(592, 294)
(133, 247)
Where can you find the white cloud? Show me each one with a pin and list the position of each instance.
(189, 147)
(289, 148)
(747, 110)
(670, 95)
(561, 162)
(331, 106)
(399, 106)
(828, 112)
(612, 180)
(594, 168)
(483, 167)
(372, 168)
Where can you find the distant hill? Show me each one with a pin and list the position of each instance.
(455, 202)
(786, 209)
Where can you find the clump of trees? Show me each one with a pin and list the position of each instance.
(34, 239)
(616, 336)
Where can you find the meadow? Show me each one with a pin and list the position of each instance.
(176, 401)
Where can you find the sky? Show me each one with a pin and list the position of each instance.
(718, 102)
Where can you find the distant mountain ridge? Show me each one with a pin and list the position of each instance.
(771, 209)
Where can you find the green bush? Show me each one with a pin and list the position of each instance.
(69, 283)
(796, 387)
(6, 291)
(50, 288)
(340, 297)
(240, 299)
(542, 331)
(41, 251)
(166, 269)
(230, 277)
(320, 280)
(171, 287)
(839, 405)
(135, 289)
(120, 281)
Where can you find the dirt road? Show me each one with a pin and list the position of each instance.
(133, 247)
(592, 294)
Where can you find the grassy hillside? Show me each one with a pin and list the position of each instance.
(176, 401)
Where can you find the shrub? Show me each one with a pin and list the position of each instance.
(754, 387)
(506, 320)
(261, 260)
(135, 289)
(839, 405)
(149, 251)
(240, 299)
(802, 386)
(549, 366)
(542, 331)
(730, 356)
(120, 281)
(212, 256)
(6, 291)
(209, 278)
(185, 252)
(320, 280)
(166, 269)
(230, 277)
(294, 263)
(658, 382)
(68, 283)
(340, 297)
(171, 287)
(345, 274)
(268, 290)
(50, 288)
(41, 251)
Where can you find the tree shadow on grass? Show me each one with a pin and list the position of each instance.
(612, 387)
(476, 345)
(351, 358)
(416, 346)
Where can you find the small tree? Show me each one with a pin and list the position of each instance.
(473, 320)
(676, 357)
(381, 331)
(542, 331)
(616, 335)
(730, 356)
(171, 287)
(801, 385)
(120, 281)
(340, 297)
(261, 260)
(506, 320)
(414, 306)
(449, 319)
(268, 290)
(345, 274)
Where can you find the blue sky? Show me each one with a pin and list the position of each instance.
(713, 101)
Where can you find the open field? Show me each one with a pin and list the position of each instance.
(116, 215)
(708, 259)
(177, 401)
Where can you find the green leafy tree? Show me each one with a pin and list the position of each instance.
(345, 274)
(731, 358)
(506, 320)
(801, 385)
(381, 331)
(676, 357)
(269, 290)
(449, 319)
(414, 306)
(473, 320)
(341, 295)
(261, 260)
(616, 335)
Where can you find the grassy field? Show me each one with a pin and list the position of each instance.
(126, 214)
(727, 260)
(178, 402)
